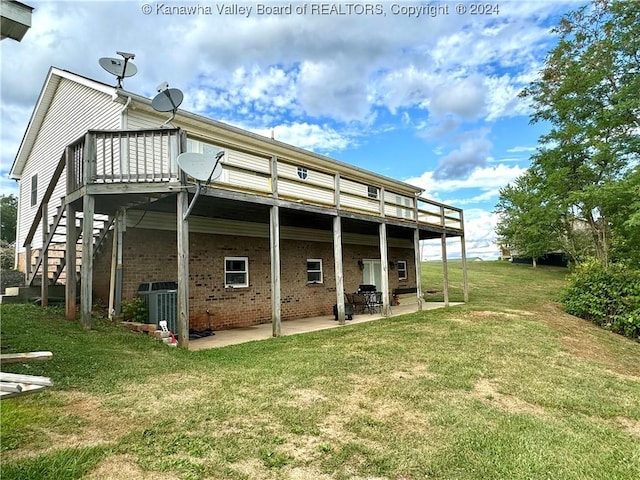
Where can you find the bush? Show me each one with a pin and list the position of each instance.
(135, 310)
(609, 297)
(7, 255)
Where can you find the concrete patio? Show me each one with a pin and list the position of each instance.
(235, 336)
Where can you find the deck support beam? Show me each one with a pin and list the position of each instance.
(463, 251)
(183, 268)
(274, 244)
(337, 256)
(86, 295)
(384, 270)
(44, 252)
(70, 288)
(445, 271)
(418, 264)
(114, 264)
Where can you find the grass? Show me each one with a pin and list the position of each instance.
(506, 386)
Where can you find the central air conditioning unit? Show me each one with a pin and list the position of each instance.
(161, 299)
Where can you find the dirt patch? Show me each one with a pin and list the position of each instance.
(153, 398)
(416, 371)
(91, 423)
(252, 468)
(122, 466)
(631, 426)
(307, 397)
(488, 392)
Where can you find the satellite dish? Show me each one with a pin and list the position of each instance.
(201, 167)
(119, 68)
(167, 100)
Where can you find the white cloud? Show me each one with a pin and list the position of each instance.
(311, 137)
(491, 177)
(480, 239)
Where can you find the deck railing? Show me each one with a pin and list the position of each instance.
(147, 156)
(121, 156)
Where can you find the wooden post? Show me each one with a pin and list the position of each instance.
(336, 190)
(274, 243)
(463, 248)
(86, 297)
(384, 270)
(445, 271)
(70, 288)
(337, 257)
(114, 263)
(418, 262)
(183, 269)
(44, 286)
(117, 304)
(27, 261)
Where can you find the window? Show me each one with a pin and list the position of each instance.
(302, 173)
(402, 270)
(407, 211)
(236, 272)
(34, 189)
(372, 192)
(314, 270)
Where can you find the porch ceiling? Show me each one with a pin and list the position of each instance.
(234, 209)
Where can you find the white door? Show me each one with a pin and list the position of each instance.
(372, 273)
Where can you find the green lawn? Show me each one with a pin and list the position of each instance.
(507, 386)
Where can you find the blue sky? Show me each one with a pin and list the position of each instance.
(429, 100)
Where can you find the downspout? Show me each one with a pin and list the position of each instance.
(121, 219)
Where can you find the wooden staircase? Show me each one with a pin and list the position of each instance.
(55, 247)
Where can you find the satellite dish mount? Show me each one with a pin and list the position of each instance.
(198, 166)
(120, 68)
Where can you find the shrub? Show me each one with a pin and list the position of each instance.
(135, 310)
(609, 297)
(7, 255)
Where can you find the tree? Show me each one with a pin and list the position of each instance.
(527, 224)
(8, 218)
(588, 93)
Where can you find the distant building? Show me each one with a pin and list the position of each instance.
(16, 19)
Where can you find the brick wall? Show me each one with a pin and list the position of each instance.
(150, 255)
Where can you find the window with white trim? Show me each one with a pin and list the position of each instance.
(402, 270)
(372, 192)
(314, 270)
(302, 173)
(34, 189)
(236, 272)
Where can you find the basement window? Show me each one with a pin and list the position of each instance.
(402, 270)
(34, 189)
(236, 272)
(314, 270)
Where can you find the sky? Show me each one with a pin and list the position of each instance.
(423, 92)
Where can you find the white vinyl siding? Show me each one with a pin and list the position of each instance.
(218, 226)
(398, 206)
(315, 187)
(355, 195)
(74, 109)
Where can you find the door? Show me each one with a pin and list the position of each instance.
(372, 273)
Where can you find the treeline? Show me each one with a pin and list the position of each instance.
(581, 194)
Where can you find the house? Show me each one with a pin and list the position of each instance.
(280, 235)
